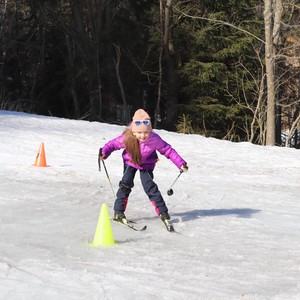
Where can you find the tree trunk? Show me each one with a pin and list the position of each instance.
(269, 57)
(72, 74)
(89, 33)
(272, 36)
(157, 117)
(170, 71)
(167, 70)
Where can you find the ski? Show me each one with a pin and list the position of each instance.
(169, 226)
(129, 225)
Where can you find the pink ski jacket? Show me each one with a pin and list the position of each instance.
(148, 151)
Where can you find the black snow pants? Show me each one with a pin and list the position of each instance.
(150, 188)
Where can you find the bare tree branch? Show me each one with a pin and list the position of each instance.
(219, 22)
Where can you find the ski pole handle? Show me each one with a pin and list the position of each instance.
(99, 155)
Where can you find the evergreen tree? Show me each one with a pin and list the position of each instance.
(217, 71)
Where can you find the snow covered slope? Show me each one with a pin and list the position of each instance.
(237, 213)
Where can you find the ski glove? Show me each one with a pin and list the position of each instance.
(101, 154)
(184, 168)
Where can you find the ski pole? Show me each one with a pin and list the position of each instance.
(99, 165)
(170, 191)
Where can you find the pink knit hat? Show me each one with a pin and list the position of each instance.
(141, 121)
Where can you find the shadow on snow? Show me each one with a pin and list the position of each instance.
(194, 214)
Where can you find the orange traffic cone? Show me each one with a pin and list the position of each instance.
(40, 160)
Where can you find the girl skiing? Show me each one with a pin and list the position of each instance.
(140, 144)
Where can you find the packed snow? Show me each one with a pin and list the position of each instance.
(236, 213)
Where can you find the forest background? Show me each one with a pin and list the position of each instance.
(225, 69)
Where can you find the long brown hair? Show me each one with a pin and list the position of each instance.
(132, 146)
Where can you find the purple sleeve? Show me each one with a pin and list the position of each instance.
(165, 149)
(113, 145)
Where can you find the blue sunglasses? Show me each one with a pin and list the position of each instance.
(145, 122)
